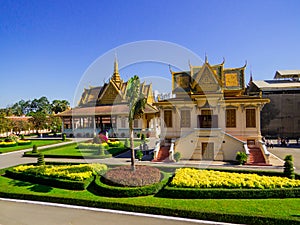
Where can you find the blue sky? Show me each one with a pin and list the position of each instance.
(46, 46)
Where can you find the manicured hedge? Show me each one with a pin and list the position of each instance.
(24, 142)
(68, 156)
(102, 189)
(214, 193)
(4, 144)
(53, 182)
(219, 217)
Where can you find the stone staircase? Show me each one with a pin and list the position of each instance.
(163, 154)
(256, 157)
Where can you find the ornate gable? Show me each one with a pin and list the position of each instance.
(110, 95)
(206, 80)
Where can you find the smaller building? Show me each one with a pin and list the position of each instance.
(105, 109)
(280, 118)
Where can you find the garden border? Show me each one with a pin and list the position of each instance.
(98, 187)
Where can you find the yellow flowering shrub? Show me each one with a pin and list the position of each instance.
(72, 172)
(194, 178)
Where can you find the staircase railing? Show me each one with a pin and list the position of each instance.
(171, 151)
(247, 151)
(156, 149)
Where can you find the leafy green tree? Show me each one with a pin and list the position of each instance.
(137, 103)
(20, 125)
(54, 124)
(39, 121)
(58, 106)
(41, 105)
(5, 124)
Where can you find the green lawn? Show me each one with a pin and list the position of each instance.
(71, 150)
(271, 208)
(38, 143)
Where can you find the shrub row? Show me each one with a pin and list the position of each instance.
(195, 178)
(53, 182)
(102, 189)
(8, 144)
(219, 217)
(68, 156)
(4, 144)
(92, 146)
(218, 193)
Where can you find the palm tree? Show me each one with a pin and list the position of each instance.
(137, 104)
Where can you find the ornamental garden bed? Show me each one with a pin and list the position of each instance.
(123, 182)
(194, 183)
(73, 177)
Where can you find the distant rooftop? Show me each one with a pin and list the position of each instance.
(266, 85)
(283, 74)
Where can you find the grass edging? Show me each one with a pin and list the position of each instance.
(219, 217)
(102, 189)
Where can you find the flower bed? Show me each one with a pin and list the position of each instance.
(24, 142)
(73, 177)
(5, 144)
(71, 172)
(193, 178)
(100, 188)
(124, 176)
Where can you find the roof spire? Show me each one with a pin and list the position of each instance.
(116, 65)
(206, 60)
(116, 76)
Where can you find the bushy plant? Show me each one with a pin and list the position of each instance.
(289, 167)
(22, 137)
(64, 137)
(101, 150)
(139, 155)
(12, 138)
(138, 135)
(241, 157)
(34, 149)
(41, 160)
(96, 140)
(177, 156)
(126, 143)
(143, 137)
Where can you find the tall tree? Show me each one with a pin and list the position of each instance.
(41, 105)
(39, 120)
(137, 103)
(58, 106)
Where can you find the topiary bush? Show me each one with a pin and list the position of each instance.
(96, 140)
(289, 167)
(101, 150)
(34, 149)
(143, 137)
(41, 160)
(241, 157)
(126, 143)
(64, 137)
(177, 156)
(139, 155)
